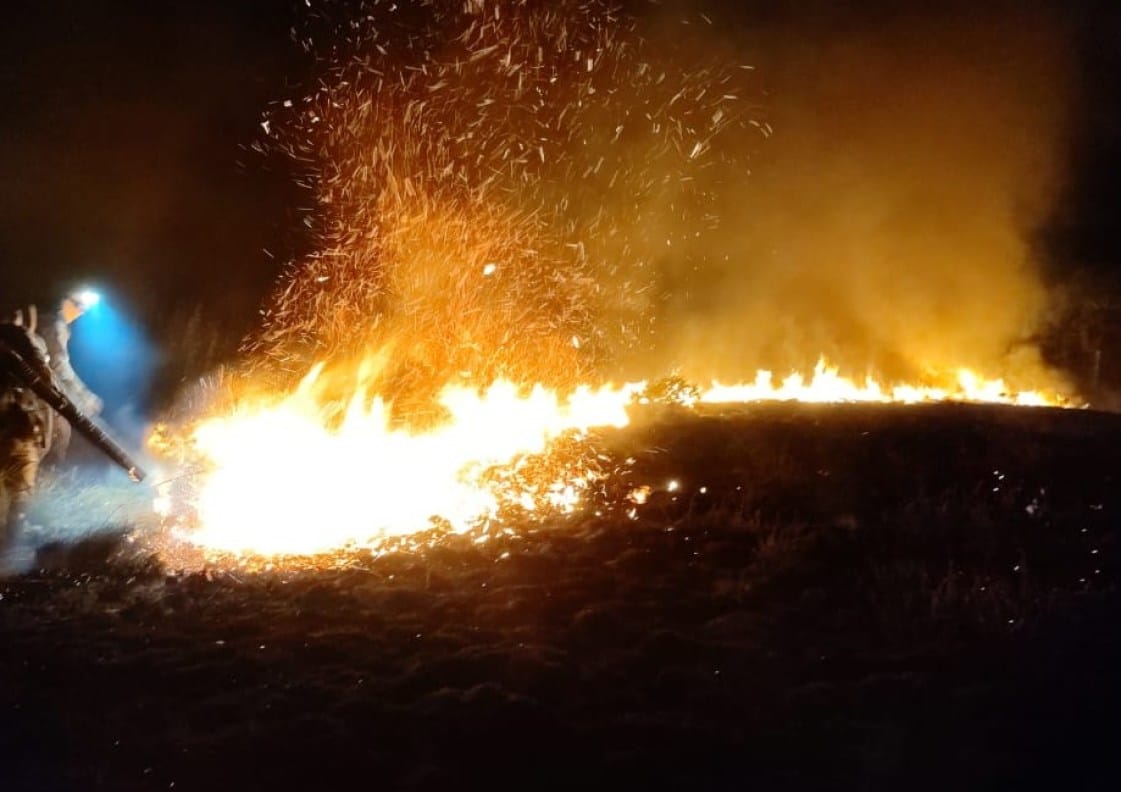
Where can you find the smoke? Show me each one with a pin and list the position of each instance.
(887, 223)
(552, 191)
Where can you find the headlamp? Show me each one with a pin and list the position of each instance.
(87, 298)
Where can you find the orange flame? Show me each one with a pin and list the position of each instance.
(284, 478)
(827, 385)
(283, 481)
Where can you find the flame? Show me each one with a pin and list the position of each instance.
(282, 479)
(827, 385)
(291, 476)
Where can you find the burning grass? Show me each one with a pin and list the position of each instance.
(263, 470)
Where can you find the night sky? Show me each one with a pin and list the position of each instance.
(124, 157)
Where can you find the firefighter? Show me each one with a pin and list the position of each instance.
(25, 425)
(56, 334)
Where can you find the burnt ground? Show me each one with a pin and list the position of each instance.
(834, 597)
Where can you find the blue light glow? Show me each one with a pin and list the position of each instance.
(115, 359)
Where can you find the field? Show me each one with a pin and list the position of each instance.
(824, 597)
